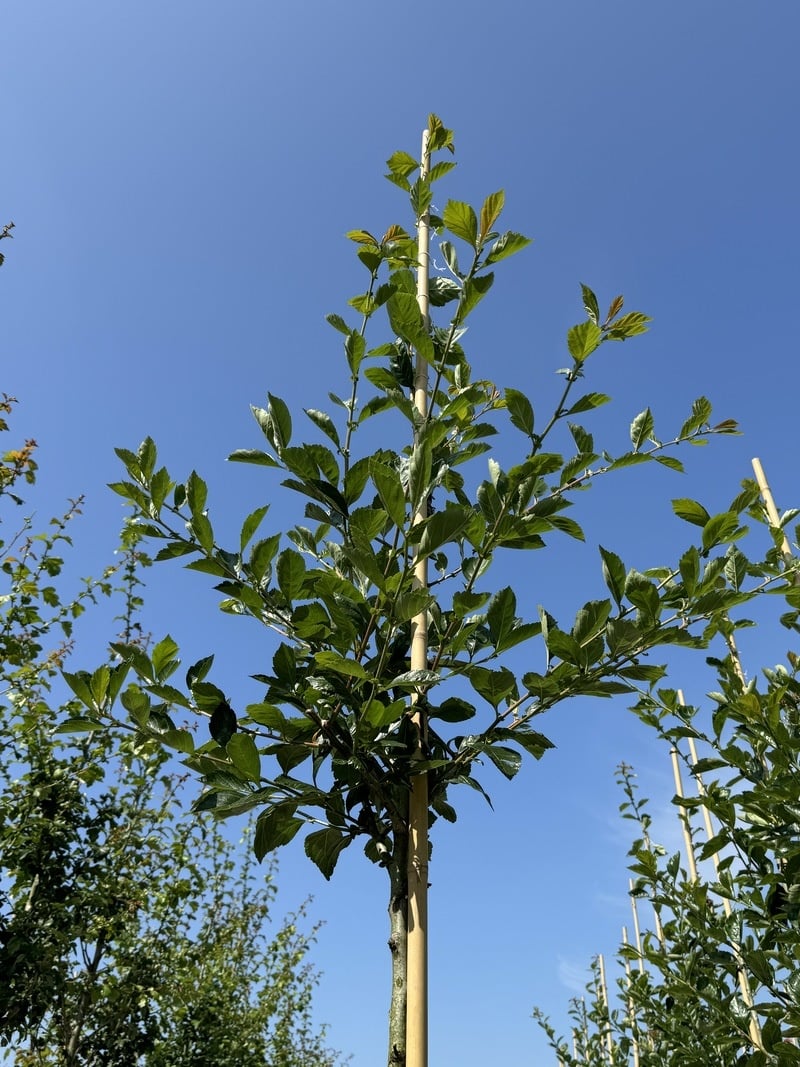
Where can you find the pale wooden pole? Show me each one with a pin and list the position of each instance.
(684, 815)
(637, 934)
(604, 994)
(771, 510)
(744, 984)
(631, 1008)
(417, 958)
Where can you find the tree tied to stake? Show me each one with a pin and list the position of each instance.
(332, 747)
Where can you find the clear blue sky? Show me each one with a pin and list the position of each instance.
(181, 176)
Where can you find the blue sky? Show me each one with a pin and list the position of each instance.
(181, 177)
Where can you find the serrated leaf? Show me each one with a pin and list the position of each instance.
(493, 686)
(275, 827)
(290, 570)
(587, 402)
(642, 429)
(590, 304)
(506, 245)
(490, 212)
(460, 220)
(253, 455)
(630, 325)
(332, 661)
(324, 422)
(323, 848)
(520, 411)
(583, 339)
(443, 528)
(701, 413)
(501, 614)
(613, 574)
(243, 754)
(507, 760)
(691, 511)
(222, 724)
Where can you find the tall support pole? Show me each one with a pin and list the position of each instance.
(771, 510)
(609, 1037)
(744, 984)
(684, 816)
(632, 1022)
(417, 959)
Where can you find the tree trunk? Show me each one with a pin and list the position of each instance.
(398, 943)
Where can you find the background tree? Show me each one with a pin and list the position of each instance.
(344, 724)
(127, 935)
(719, 976)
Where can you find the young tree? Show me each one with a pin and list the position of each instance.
(352, 721)
(117, 944)
(720, 975)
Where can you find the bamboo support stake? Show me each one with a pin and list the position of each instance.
(631, 1010)
(637, 934)
(744, 984)
(684, 815)
(772, 511)
(417, 958)
(604, 994)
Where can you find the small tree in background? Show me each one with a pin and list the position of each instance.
(718, 980)
(349, 722)
(127, 934)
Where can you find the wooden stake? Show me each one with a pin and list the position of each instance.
(772, 511)
(631, 1011)
(744, 985)
(684, 815)
(636, 931)
(604, 993)
(417, 960)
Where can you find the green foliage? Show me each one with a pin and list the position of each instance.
(342, 596)
(718, 979)
(127, 934)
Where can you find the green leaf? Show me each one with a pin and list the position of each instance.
(281, 421)
(501, 614)
(332, 661)
(222, 724)
(493, 686)
(164, 658)
(629, 325)
(275, 827)
(323, 848)
(454, 709)
(613, 574)
(196, 494)
(490, 212)
(691, 511)
(583, 339)
(590, 304)
(250, 525)
(253, 455)
(443, 528)
(460, 220)
(475, 289)
(325, 423)
(405, 319)
(642, 429)
(78, 726)
(290, 570)
(506, 245)
(591, 620)
(243, 754)
(587, 402)
(520, 411)
(507, 760)
(198, 671)
(410, 604)
(721, 529)
(390, 490)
